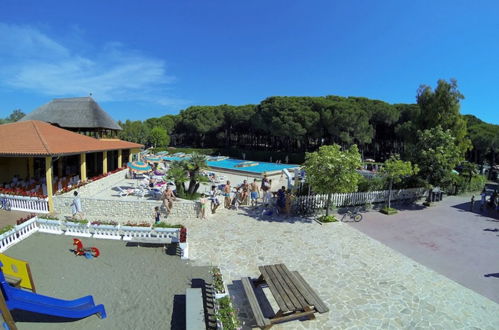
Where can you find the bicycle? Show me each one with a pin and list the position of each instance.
(5, 204)
(354, 216)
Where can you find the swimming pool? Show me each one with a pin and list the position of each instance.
(231, 164)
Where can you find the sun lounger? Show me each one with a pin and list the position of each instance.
(125, 192)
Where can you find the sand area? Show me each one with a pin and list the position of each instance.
(140, 287)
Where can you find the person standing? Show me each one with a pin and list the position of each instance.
(265, 190)
(202, 206)
(227, 201)
(156, 215)
(281, 199)
(76, 209)
(254, 192)
(168, 197)
(472, 203)
(244, 191)
(483, 196)
(215, 203)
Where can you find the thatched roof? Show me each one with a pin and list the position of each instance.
(74, 112)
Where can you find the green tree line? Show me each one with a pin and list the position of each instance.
(303, 124)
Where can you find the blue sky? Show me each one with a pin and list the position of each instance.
(150, 58)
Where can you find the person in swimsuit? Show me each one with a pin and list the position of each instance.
(244, 191)
(227, 195)
(254, 192)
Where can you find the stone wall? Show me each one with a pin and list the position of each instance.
(125, 210)
(96, 187)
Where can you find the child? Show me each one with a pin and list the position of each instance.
(215, 203)
(203, 201)
(156, 215)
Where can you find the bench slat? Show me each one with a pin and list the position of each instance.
(319, 305)
(287, 303)
(293, 287)
(249, 289)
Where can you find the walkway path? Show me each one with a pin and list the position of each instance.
(447, 238)
(365, 283)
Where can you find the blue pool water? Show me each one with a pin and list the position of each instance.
(230, 164)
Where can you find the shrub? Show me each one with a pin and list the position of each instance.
(388, 210)
(327, 218)
(166, 225)
(6, 229)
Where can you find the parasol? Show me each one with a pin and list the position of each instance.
(153, 159)
(139, 167)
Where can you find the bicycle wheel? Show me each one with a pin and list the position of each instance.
(357, 217)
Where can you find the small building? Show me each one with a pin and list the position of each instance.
(36, 151)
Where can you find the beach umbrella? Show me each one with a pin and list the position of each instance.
(139, 167)
(153, 159)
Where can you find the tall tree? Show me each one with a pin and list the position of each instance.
(158, 137)
(441, 107)
(331, 170)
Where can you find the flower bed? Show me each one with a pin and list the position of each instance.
(218, 283)
(226, 314)
(21, 192)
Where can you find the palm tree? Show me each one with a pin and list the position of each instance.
(194, 166)
(177, 173)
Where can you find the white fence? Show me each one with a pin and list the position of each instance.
(27, 204)
(126, 233)
(359, 198)
(18, 233)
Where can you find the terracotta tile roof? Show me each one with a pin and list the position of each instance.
(37, 138)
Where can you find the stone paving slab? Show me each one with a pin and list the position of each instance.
(365, 284)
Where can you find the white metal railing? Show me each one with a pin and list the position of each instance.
(129, 233)
(27, 204)
(50, 226)
(106, 232)
(77, 229)
(360, 198)
(173, 233)
(17, 234)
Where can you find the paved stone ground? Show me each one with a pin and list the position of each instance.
(365, 283)
(448, 238)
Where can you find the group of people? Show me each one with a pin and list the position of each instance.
(491, 203)
(235, 196)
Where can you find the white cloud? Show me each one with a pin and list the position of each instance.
(32, 60)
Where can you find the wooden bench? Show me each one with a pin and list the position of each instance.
(194, 309)
(293, 295)
(249, 288)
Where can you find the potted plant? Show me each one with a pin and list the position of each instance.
(218, 283)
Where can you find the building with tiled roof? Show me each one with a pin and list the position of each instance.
(36, 149)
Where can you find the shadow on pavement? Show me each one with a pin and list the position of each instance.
(270, 215)
(492, 275)
(493, 215)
